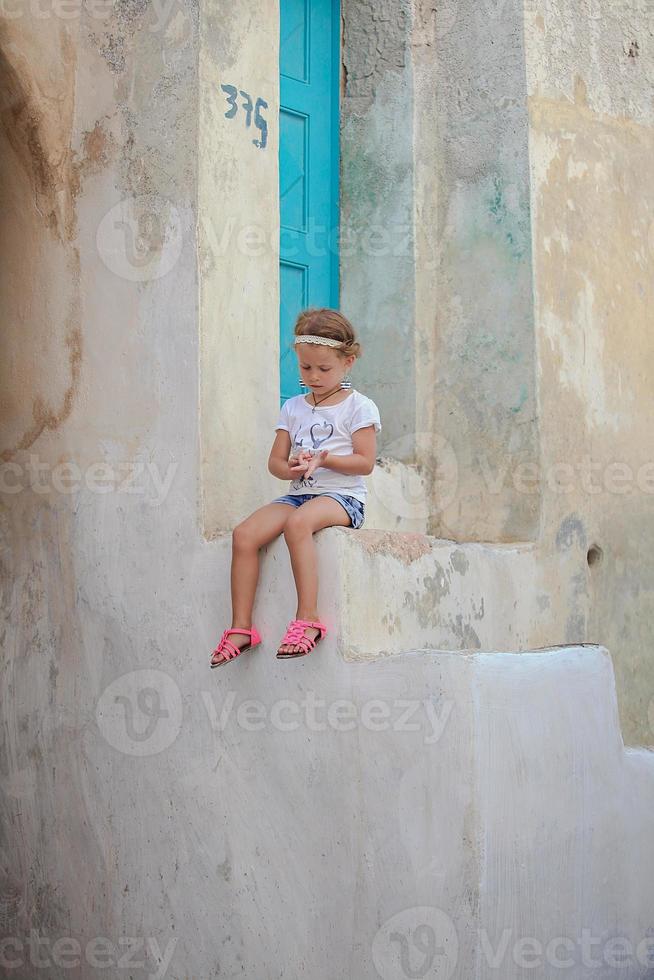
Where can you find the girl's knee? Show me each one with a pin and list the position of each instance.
(296, 525)
(244, 536)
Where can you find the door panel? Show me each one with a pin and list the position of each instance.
(308, 167)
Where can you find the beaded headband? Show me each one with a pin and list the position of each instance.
(309, 338)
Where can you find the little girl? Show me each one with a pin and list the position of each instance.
(325, 445)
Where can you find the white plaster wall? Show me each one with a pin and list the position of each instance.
(377, 268)
(589, 71)
(367, 819)
(238, 256)
(129, 809)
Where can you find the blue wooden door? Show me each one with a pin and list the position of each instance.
(308, 167)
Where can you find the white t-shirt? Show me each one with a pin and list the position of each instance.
(329, 427)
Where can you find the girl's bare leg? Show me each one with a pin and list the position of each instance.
(244, 581)
(304, 562)
(298, 532)
(248, 537)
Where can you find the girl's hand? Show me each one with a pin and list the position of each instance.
(315, 462)
(298, 462)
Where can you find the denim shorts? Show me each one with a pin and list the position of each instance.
(354, 507)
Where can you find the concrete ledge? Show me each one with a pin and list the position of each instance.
(384, 593)
(476, 800)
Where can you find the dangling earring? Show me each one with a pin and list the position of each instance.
(302, 384)
(346, 383)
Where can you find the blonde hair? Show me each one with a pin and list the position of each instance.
(323, 322)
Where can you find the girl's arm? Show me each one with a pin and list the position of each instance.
(356, 464)
(280, 469)
(278, 459)
(359, 463)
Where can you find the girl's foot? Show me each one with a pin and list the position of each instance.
(239, 640)
(309, 631)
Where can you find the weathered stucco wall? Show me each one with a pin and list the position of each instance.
(39, 268)
(98, 510)
(238, 224)
(130, 806)
(377, 220)
(484, 380)
(532, 278)
(92, 220)
(592, 145)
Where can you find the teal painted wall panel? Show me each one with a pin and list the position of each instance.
(308, 167)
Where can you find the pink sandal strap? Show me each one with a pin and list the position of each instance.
(301, 624)
(251, 632)
(229, 650)
(294, 635)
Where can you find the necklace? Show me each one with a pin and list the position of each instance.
(322, 399)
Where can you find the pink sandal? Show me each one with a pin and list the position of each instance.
(294, 636)
(229, 650)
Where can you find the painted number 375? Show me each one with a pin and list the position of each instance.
(247, 105)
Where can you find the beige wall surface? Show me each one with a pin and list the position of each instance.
(238, 260)
(523, 393)
(117, 148)
(591, 148)
(139, 394)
